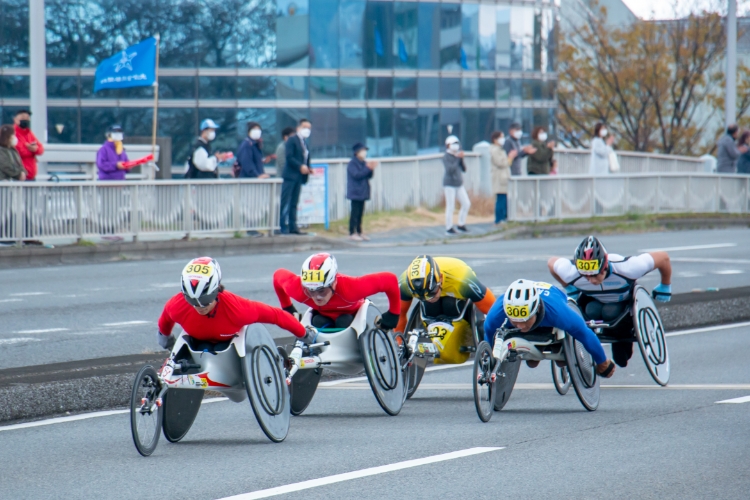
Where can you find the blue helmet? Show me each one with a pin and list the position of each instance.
(208, 123)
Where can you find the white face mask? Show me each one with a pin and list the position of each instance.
(255, 134)
(454, 147)
(117, 136)
(542, 136)
(500, 141)
(518, 134)
(13, 141)
(305, 132)
(603, 132)
(211, 135)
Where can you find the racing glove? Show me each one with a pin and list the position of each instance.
(662, 292)
(310, 335)
(166, 341)
(571, 291)
(293, 311)
(388, 320)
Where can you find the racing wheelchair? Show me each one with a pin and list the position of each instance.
(445, 340)
(496, 370)
(247, 367)
(362, 345)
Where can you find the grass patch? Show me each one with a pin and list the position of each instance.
(85, 243)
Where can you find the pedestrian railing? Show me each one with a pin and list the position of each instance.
(576, 196)
(577, 161)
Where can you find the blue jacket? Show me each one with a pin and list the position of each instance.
(557, 314)
(250, 158)
(358, 180)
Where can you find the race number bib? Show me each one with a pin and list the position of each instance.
(313, 276)
(418, 269)
(517, 312)
(587, 266)
(198, 269)
(440, 330)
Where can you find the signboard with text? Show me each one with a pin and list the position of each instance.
(313, 198)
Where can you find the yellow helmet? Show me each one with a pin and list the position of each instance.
(423, 277)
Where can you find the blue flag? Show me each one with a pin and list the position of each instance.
(133, 67)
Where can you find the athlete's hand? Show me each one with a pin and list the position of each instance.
(571, 290)
(166, 341)
(293, 311)
(662, 292)
(387, 321)
(310, 335)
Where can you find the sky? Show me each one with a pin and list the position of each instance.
(664, 9)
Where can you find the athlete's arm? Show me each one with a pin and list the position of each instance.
(477, 292)
(663, 264)
(406, 298)
(257, 312)
(551, 266)
(166, 323)
(561, 316)
(371, 284)
(494, 320)
(282, 281)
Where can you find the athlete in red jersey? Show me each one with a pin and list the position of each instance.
(334, 297)
(207, 312)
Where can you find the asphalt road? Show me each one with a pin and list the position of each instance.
(643, 442)
(67, 313)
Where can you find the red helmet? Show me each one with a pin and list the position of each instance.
(319, 271)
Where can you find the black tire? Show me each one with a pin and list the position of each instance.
(649, 331)
(582, 370)
(477, 325)
(413, 374)
(302, 390)
(145, 426)
(561, 378)
(484, 388)
(506, 380)
(179, 409)
(383, 369)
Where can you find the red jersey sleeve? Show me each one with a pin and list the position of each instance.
(370, 284)
(248, 312)
(283, 284)
(166, 323)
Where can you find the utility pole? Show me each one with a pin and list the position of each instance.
(38, 74)
(731, 75)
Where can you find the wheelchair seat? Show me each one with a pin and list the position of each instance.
(331, 330)
(206, 346)
(540, 334)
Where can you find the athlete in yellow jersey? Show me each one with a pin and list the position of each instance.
(440, 283)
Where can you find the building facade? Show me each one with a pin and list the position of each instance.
(397, 75)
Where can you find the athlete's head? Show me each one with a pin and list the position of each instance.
(521, 304)
(201, 283)
(424, 279)
(318, 277)
(591, 260)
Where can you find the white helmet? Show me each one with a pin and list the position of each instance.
(319, 271)
(200, 281)
(451, 139)
(521, 300)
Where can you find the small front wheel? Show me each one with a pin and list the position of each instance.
(561, 378)
(145, 412)
(484, 386)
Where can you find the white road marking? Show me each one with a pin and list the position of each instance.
(547, 386)
(707, 329)
(729, 271)
(127, 323)
(743, 399)
(83, 416)
(372, 471)
(688, 274)
(47, 330)
(435, 368)
(29, 294)
(710, 261)
(692, 247)
(11, 300)
(18, 341)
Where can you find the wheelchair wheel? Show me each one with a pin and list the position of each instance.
(582, 371)
(383, 367)
(477, 325)
(413, 374)
(302, 390)
(145, 414)
(506, 379)
(484, 388)
(561, 378)
(180, 407)
(650, 334)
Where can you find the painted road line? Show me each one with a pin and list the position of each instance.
(692, 247)
(707, 329)
(729, 271)
(709, 260)
(743, 399)
(357, 474)
(11, 300)
(331, 383)
(18, 341)
(47, 330)
(28, 294)
(127, 323)
(547, 386)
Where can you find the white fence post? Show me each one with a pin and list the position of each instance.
(657, 201)
(135, 222)
(79, 213)
(558, 205)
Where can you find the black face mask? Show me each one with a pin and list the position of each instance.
(24, 123)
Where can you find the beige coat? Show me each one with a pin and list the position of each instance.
(500, 169)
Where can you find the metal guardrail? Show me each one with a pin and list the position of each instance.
(559, 197)
(577, 161)
(47, 210)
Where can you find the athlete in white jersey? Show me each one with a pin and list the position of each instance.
(603, 284)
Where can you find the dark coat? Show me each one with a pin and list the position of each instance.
(743, 163)
(250, 158)
(295, 158)
(358, 180)
(193, 172)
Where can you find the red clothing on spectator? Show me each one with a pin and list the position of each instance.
(231, 314)
(28, 158)
(348, 297)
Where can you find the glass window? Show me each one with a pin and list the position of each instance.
(292, 87)
(62, 87)
(378, 35)
(538, 47)
(94, 124)
(470, 36)
(470, 133)
(136, 122)
(292, 34)
(503, 89)
(405, 34)
(405, 89)
(470, 89)
(486, 124)
(450, 89)
(181, 124)
(549, 89)
(324, 33)
(324, 87)
(503, 119)
(502, 58)
(177, 87)
(227, 135)
(532, 89)
(248, 29)
(266, 117)
(428, 140)
(256, 87)
(522, 38)
(428, 89)
(516, 89)
(380, 131)
(62, 125)
(429, 36)
(487, 89)
(549, 41)
(286, 117)
(405, 132)
(352, 129)
(352, 87)
(380, 88)
(217, 87)
(450, 36)
(14, 86)
(487, 37)
(450, 123)
(324, 140)
(540, 118)
(14, 33)
(351, 20)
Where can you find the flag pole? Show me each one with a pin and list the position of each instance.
(156, 98)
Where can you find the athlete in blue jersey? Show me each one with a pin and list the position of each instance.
(528, 305)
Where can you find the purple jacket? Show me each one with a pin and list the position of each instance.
(106, 162)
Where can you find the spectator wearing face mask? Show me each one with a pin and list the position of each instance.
(296, 172)
(28, 146)
(281, 150)
(501, 162)
(540, 162)
(513, 143)
(601, 147)
(453, 186)
(358, 175)
(201, 163)
(111, 156)
(11, 167)
(250, 154)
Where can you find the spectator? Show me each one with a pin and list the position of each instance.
(250, 154)
(600, 150)
(295, 174)
(453, 185)
(201, 163)
(513, 142)
(111, 156)
(540, 162)
(28, 146)
(728, 152)
(500, 174)
(358, 174)
(11, 166)
(743, 162)
(281, 150)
